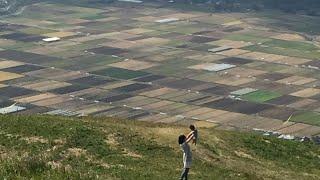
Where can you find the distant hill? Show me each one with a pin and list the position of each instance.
(308, 7)
(48, 147)
(11, 6)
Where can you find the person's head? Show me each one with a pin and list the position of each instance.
(192, 127)
(181, 139)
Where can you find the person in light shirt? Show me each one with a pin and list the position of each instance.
(187, 155)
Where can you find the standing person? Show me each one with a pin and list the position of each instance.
(193, 132)
(187, 155)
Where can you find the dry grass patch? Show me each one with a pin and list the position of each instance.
(61, 34)
(182, 15)
(35, 98)
(243, 154)
(309, 92)
(230, 43)
(289, 37)
(205, 124)
(232, 23)
(206, 57)
(4, 76)
(92, 109)
(75, 21)
(302, 103)
(46, 85)
(243, 72)
(147, 18)
(35, 139)
(156, 105)
(133, 64)
(294, 128)
(108, 19)
(296, 80)
(76, 152)
(8, 64)
(51, 101)
(152, 41)
(257, 56)
(119, 35)
(235, 81)
(292, 61)
(138, 31)
(116, 85)
(46, 50)
(124, 44)
(233, 52)
(159, 92)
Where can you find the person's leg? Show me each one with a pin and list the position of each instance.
(183, 174)
(186, 173)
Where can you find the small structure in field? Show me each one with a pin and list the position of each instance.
(51, 39)
(132, 1)
(167, 20)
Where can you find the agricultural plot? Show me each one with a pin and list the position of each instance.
(120, 73)
(307, 117)
(260, 96)
(159, 65)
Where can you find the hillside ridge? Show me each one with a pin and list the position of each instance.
(54, 147)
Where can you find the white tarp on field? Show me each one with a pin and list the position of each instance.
(167, 20)
(133, 1)
(11, 109)
(218, 67)
(51, 39)
(243, 91)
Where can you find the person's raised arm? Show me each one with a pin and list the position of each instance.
(190, 138)
(190, 134)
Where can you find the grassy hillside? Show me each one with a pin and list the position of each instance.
(47, 147)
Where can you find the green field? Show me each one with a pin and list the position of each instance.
(170, 67)
(48, 147)
(120, 73)
(247, 38)
(94, 17)
(284, 51)
(300, 23)
(260, 96)
(312, 118)
(301, 46)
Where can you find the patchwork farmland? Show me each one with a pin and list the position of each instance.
(149, 63)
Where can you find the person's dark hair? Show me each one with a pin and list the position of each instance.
(192, 127)
(182, 139)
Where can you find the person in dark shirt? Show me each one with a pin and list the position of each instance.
(194, 133)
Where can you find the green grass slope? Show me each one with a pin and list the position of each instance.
(47, 147)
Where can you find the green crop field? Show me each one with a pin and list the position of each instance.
(307, 117)
(302, 46)
(284, 51)
(260, 96)
(121, 73)
(247, 38)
